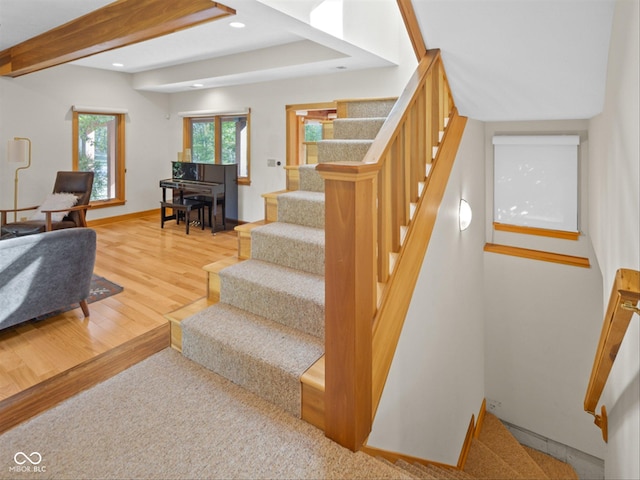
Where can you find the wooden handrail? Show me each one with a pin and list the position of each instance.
(625, 295)
(370, 215)
(413, 28)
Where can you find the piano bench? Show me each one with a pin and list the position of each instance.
(185, 206)
(212, 204)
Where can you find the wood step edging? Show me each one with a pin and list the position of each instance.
(177, 316)
(213, 275)
(39, 398)
(312, 402)
(481, 414)
(244, 235)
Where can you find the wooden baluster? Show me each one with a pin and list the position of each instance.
(415, 157)
(397, 188)
(384, 219)
(432, 109)
(421, 154)
(443, 101)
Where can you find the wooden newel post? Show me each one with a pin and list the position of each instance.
(350, 300)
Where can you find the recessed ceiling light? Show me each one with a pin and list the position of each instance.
(118, 64)
(237, 25)
(197, 85)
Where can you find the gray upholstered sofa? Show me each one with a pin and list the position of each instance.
(45, 272)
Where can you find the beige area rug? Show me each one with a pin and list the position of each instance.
(169, 418)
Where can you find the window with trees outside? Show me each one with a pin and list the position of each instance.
(222, 139)
(307, 124)
(98, 141)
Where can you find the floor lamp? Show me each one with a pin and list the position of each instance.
(17, 154)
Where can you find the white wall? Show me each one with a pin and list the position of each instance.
(38, 106)
(436, 380)
(615, 218)
(542, 319)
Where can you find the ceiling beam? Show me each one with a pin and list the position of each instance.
(121, 23)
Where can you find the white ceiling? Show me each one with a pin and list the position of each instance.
(505, 59)
(522, 59)
(213, 54)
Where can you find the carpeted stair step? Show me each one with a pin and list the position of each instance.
(553, 468)
(357, 128)
(433, 472)
(342, 150)
(285, 295)
(449, 473)
(289, 245)
(302, 208)
(310, 179)
(369, 108)
(497, 437)
(484, 463)
(414, 470)
(265, 357)
(401, 470)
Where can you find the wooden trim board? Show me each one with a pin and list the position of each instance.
(28, 403)
(120, 218)
(538, 255)
(543, 232)
(115, 25)
(394, 456)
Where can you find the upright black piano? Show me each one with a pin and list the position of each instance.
(208, 179)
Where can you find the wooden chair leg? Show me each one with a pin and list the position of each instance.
(85, 307)
(224, 217)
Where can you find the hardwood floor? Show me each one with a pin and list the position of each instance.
(160, 270)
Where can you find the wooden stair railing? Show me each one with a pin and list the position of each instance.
(375, 241)
(623, 301)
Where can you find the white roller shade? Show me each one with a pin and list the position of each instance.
(213, 113)
(105, 110)
(536, 181)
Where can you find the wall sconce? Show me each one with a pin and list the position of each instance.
(18, 151)
(464, 215)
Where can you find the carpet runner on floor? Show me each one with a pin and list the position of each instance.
(168, 418)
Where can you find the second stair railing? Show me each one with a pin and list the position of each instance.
(623, 303)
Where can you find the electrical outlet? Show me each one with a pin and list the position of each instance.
(493, 405)
(271, 162)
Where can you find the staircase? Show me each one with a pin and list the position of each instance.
(494, 455)
(268, 327)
